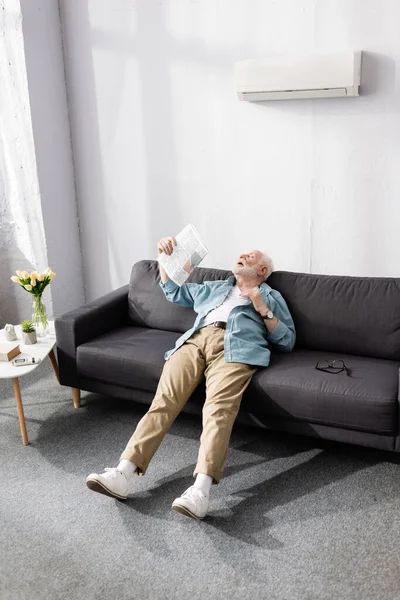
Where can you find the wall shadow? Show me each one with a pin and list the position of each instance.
(162, 197)
(86, 143)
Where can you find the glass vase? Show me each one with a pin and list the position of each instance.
(39, 317)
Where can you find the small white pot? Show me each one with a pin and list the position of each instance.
(29, 338)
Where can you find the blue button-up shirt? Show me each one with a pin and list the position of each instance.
(246, 337)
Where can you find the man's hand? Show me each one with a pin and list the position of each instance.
(166, 245)
(255, 296)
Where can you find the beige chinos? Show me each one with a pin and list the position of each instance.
(201, 355)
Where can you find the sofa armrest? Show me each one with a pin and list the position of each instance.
(86, 323)
(397, 443)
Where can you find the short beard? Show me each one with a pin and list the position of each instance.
(245, 271)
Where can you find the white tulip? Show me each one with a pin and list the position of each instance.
(51, 276)
(33, 282)
(25, 275)
(19, 273)
(15, 278)
(34, 275)
(28, 287)
(40, 277)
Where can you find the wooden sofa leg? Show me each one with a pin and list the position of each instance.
(76, 397)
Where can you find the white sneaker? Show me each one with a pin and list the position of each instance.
(193, 503)
(111, 483)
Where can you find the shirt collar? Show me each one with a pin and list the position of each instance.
(263, 286)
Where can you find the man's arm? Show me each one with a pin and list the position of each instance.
(281, 330)
(165, 245)
(284, 334)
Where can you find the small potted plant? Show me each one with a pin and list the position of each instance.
(28, 332)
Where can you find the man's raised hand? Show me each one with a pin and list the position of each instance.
(166, 245)
(256, 298)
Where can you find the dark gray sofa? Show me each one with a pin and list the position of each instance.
(115, 346)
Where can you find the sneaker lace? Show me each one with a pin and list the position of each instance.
(113, 471)
(193, 493)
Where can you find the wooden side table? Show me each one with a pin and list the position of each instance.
(42, 349)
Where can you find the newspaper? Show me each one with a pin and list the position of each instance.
(187, 254)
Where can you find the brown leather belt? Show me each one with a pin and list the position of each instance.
(220, 324)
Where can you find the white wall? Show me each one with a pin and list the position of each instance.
(161, 140)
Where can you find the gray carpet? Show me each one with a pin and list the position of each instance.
(292, 518)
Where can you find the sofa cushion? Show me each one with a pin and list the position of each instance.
(130, 356)
(147, 304)
(353, 315)
(291, 388)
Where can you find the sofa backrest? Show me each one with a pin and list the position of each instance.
(353, 315)
(148, 306)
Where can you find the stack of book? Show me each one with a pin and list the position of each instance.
(8, 352)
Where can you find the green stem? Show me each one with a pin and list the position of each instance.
(39, 315)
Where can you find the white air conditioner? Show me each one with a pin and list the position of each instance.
(313, 76)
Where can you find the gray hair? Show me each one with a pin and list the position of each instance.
(266, 261)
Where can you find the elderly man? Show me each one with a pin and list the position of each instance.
(236, 320)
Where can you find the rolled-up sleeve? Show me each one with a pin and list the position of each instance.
(284, 334)
(183, 295)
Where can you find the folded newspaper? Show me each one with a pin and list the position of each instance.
(187, 254)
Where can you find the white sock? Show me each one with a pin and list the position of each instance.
(127, 467)
(203, 482)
